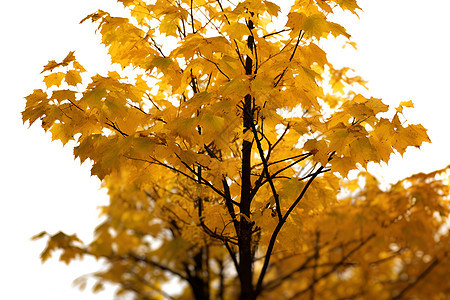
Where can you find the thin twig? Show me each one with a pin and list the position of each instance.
(235, 43)
(192, 19)
(300, 35)
(114, 126)
(217, 66)
(276, 32)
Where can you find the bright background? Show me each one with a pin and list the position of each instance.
(403, 50)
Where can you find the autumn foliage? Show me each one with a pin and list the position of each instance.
(225, 140)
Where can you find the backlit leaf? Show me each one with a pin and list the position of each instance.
(54, 79)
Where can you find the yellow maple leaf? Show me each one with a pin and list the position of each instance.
(317, 26)
(61, 132)
(62, 95)
(53, 64)
(73, 77)
(54, 79)
(362, 151)
(349, 5)
(404, 104)
(319, 149)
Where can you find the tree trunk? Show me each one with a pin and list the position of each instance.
(199, 281)
(245, 224)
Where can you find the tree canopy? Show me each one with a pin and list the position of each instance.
(225, 138)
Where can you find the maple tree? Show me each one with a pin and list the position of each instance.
(225, 141)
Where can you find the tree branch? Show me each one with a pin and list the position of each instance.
(235, 43)
(421, 276)
(233, 256)
(276, 282)
(217, 66)
(277, 231)
(266, 171)
(192, 19)
(203, 181)
(335, 267)
(141, 258)
(276, 32)
(229, 204)
(300, 35)
(280, 225)
(115, 127)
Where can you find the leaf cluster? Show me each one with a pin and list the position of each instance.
(226, 156)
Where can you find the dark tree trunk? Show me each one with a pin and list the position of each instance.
(198, 288)
(199, 279)
(245, 225)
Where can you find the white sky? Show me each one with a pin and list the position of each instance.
(403, 51)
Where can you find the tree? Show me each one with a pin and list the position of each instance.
(225, 141)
